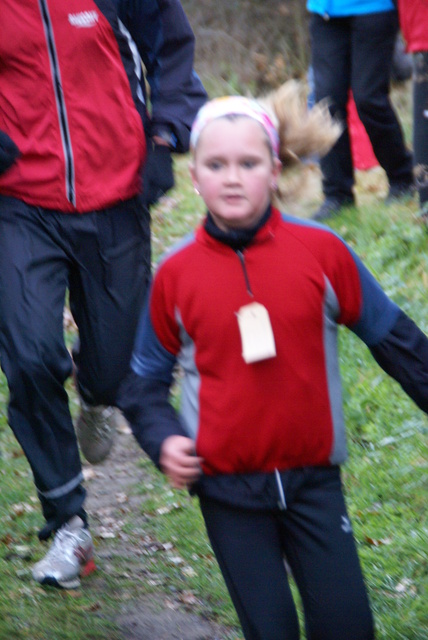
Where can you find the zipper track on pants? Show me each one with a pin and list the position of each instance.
(282, 504)
(62, 111)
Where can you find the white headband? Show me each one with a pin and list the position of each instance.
(235, 105)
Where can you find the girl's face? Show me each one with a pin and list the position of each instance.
(234, 171)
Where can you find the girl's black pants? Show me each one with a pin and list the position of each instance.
(312, 538)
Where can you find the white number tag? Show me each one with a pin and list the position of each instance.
(257, 338)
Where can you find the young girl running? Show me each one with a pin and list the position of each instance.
(249, 306)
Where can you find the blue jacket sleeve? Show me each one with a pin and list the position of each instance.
(144, 395)
(378, 312)
(145, 404)
(9, 152)
(396, 343)
(403, 354)
(166, 44)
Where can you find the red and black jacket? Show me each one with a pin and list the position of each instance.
(248, 420)
(72, 100)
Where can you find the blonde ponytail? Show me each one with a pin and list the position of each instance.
(303, 132)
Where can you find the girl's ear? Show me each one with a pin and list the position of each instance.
(277, 168)
(276, 173)
(193, 177)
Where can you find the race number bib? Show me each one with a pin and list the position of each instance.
(257, 338)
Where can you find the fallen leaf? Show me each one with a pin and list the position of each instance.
(405, 586)
(20, 508)
(89, 473)
(6, 540)
(22, 551)
(106, 534)
(379, 542)
(187, 597)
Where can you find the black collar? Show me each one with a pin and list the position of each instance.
(235, 238)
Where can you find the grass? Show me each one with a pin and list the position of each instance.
(385, 477)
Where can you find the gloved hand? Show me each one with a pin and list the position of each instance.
(159, 176)
(8, 152)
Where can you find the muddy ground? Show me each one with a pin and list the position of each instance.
(112, 505)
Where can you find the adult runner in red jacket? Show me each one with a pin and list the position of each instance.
(74, 133)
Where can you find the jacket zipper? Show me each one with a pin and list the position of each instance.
(282, 504)
(241, 257)
(62, 111)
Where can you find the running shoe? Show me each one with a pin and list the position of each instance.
(69, 557)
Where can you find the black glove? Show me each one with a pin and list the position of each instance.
(8, 152)
(159, 176)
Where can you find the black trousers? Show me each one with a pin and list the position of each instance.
(355, 53)
(314, 536)
(420, 123)
(103, 260)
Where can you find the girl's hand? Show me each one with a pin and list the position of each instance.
(179, 462)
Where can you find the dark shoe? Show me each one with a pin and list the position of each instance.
(400, 193)
(96, 429)
(331, 207)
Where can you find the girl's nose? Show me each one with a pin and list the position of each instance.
(232, 173)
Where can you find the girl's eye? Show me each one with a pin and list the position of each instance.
(248, 164)
(214, 165)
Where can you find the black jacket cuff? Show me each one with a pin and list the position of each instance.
(403, 354)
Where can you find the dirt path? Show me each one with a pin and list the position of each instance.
(112, 505)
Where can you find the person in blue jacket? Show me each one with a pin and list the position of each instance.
(352, 45)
